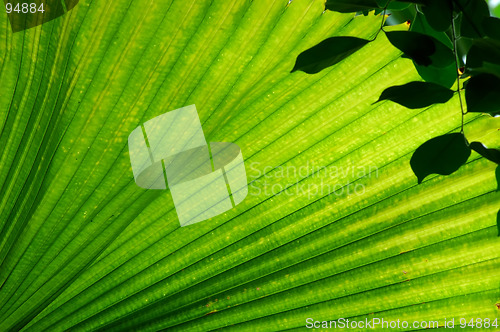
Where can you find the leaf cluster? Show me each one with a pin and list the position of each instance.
(451, 43)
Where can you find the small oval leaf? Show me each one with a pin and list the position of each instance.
(327, 53)
(441, 155)
(482, 94)
(490, 154)
(417, 94)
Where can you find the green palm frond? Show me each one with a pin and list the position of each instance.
(350, 234)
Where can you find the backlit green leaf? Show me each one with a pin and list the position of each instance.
(444, 76)
(422, 49)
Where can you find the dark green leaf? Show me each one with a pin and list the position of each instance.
(417, 94)
(483, 50)
(482, 93)
(491, 27)
(484, 57)
(422, 49)
(498, 222)
(351, 6)
(438, 14)
(396, 5)
(473, 14)
(416, 2)
(382, 3)
(490, 154)
(327, 53)
(488, 68)
(497, 174)
(441, 155)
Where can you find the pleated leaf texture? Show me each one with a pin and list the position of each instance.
(334, 225)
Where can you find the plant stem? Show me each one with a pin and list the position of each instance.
(455, 52)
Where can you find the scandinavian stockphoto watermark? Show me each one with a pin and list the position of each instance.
(322, 180)
(205, 180)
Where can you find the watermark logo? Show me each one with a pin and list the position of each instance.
(323, 180)
(205, 180)
(25, 14)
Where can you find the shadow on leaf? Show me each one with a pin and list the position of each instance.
(352, 6)
(417, 94)
(327, 53)
(440, 155)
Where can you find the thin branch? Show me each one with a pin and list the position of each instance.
(455, 52)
